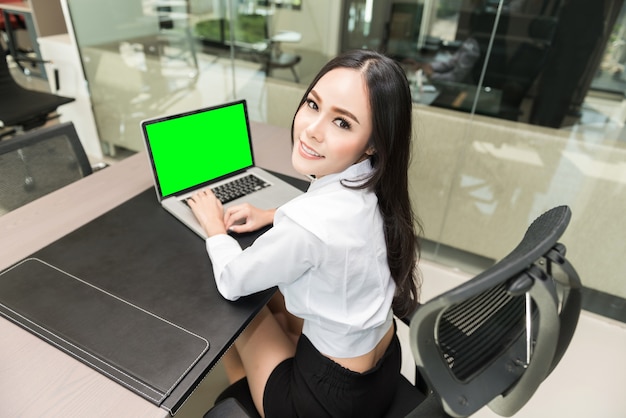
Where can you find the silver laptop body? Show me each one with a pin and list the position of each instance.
(207, 148)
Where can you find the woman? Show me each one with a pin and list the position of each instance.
(343, 255)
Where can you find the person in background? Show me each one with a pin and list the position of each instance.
(456, 68)
(343, 255)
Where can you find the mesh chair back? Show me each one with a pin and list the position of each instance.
(473, 332)
(38, 162)
(495, 338)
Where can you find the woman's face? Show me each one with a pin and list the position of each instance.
(332, 128)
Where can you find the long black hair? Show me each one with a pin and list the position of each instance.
(391, 107)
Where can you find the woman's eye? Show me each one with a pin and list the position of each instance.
(310, 103)
(342, 123)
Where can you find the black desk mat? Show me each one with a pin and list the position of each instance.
(115, 337)
(142, 255)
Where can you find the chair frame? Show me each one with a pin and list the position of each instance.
(513, 377)
(13, 46)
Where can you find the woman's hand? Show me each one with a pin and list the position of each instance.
(247, 218)
(208, 211)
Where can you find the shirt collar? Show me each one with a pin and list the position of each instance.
(360, 172)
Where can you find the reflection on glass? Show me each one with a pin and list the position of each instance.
(551, 63)
(610, 76)
(533, 61)
(139, 59)
(148, 58)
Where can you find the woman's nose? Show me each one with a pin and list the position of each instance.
(314, 131)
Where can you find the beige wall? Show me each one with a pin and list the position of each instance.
(282, 99)
(477, 183)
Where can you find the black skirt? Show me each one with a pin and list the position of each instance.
(312, 385)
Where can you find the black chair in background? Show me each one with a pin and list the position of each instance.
(257, 39)
(250, 36)
(22, 109)
(490, 341)
(275, 57)
(38, 162)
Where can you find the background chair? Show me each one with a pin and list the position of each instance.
(23, 109)
(38, 162)
(490, 341)
(20, 41)
(251, 35)
(275, 57)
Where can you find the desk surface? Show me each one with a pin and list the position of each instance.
(36, 378)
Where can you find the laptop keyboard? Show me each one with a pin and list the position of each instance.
(239, 187)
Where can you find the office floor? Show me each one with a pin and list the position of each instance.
(591, 377)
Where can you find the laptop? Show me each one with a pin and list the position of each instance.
(209, 148)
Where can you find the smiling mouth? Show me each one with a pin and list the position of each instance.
(309, 151)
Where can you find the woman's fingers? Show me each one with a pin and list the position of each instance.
(236, 215)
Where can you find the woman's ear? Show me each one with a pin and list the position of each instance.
(370, 151)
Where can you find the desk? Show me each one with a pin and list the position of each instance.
(35, 378)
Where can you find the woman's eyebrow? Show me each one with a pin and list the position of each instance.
(336, 109)
(346, 113)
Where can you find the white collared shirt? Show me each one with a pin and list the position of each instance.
(326, 252)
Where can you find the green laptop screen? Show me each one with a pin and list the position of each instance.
(194, 148)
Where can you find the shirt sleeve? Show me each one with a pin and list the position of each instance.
(279, 256)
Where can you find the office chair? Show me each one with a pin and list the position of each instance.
(494, 339)
(491, 340)
(253, 33)
(38, 162)
(22, 109)
(250, 35)
(275, 57)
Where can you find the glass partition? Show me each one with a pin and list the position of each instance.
(519, 104)
(519, 107)
(146, 58)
